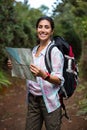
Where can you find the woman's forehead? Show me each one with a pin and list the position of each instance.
(44, 22)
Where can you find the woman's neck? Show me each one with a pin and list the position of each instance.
(44, 43)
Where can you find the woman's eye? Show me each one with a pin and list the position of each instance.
(47, 27)
(40, 26)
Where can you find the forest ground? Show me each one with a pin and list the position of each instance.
(13, 109)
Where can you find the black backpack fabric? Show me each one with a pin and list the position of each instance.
(70, 69)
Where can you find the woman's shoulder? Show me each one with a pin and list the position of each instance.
(55, 49)
(56, 53)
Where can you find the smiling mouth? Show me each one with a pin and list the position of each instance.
(43, 35)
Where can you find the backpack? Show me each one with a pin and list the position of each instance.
(70, 68)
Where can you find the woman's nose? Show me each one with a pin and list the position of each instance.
(43, 29)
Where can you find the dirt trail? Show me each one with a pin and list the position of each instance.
(13, 109)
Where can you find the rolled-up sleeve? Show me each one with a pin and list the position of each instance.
(57, 61)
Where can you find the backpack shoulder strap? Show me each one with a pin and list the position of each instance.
(48, 57)
(61, 44)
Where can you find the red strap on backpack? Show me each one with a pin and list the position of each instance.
(71, 54)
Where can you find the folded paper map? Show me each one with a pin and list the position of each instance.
(21, 59)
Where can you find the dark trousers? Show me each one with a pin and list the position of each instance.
(37, 113)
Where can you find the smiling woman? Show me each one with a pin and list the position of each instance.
(43, 99)
(42, 94)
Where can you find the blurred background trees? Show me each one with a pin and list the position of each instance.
(17, 25)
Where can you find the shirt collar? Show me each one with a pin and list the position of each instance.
(43, 51)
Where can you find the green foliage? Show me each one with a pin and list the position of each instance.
(65, 24)
(7, 21)
(7, 24)
(71, 22)
(74, 40)
(84, 28)
(4, 80)
(80, 9)
(25, 29)
(17, 25)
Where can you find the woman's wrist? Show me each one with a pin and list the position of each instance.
(46, 76)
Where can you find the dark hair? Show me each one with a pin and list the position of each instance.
(46, 18)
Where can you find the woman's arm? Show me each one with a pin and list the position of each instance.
(46, 76)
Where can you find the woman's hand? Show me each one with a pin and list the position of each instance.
(9, 64)
(37, 71)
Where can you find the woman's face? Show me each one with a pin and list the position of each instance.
(44, 30)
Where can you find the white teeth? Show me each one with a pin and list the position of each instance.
(43, 35)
